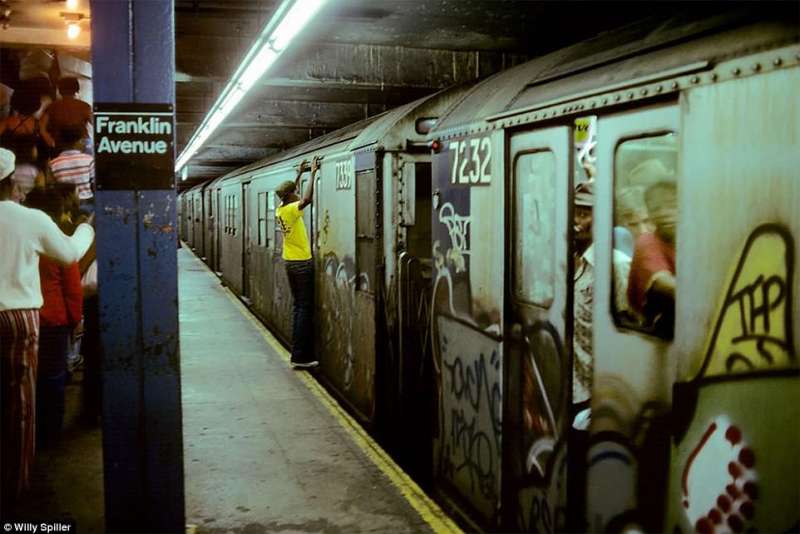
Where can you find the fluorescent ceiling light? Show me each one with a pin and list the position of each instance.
(289, 20)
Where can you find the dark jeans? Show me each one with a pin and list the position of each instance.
(90, 348)
(301, 282)
(50, 382)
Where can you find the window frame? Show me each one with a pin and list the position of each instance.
(621, 323)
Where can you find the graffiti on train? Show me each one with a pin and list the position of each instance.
(719, 482)
(754, 328)
(541, 507)
(458, 230)
(470, 412)
(544, 377)
(338, 310)
(743, 400)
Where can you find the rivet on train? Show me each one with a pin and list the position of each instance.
(674, 85)
(736, 71)
(644, 92)
(695, 79)
(713, 76)
(777, 62)
(616, 98)
(659, 88)
(756, 67)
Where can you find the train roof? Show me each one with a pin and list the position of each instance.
(637, 51)
(390, 130)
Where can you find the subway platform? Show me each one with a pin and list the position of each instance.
(266, 449)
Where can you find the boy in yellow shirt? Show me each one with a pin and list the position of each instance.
(299, 265)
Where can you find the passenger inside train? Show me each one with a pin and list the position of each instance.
(646, 207)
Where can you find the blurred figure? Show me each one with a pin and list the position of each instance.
(25, 235)
(20, 133)
(582, 345)
(631, 218)
(67, 115)
(59, 315)
(651, 289)
(72, 166)
(583, 293)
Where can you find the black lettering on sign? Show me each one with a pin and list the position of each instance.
(470, 161)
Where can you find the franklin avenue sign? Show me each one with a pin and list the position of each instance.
(133, 146)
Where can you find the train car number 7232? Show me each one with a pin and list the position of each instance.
(470, 161)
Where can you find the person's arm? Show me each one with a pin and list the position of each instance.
(61, 247)
(663, 283)
(309, 196)
(43, 130)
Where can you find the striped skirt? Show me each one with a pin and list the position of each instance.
(19, 340)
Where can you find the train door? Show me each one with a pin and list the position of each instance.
(414, 374)
(634, 360)
(538, 303)
(247, 245)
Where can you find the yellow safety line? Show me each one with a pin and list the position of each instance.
(430, 512)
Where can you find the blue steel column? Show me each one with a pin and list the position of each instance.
(133, 61)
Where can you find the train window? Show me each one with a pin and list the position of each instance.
(230, 215)
(534, 227)
(227, 229)
(262, 219)
(645, 220)
(234, 213)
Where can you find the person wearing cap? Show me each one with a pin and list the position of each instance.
(651, 288)
(583, 288)
(25, 235)
(299, 265)
(583, 359)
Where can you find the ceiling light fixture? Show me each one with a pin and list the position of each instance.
(289, 20)
(73, 30)
(73, 21)
(72, 4)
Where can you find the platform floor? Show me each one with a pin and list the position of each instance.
(265, 448)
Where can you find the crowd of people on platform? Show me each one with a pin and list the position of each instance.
(48, 271)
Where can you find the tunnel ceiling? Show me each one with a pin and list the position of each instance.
(356, 59)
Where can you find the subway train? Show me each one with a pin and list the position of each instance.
(448, 306)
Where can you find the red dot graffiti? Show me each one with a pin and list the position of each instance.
(721, 459)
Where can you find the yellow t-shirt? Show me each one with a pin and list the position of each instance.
(295, 240)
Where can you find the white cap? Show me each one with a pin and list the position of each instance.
(7, 162)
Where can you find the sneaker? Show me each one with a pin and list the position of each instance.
(305, 365)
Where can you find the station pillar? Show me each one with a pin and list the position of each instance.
(133, 51)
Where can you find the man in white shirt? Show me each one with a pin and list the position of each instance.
(583, 291)
(25, 234)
